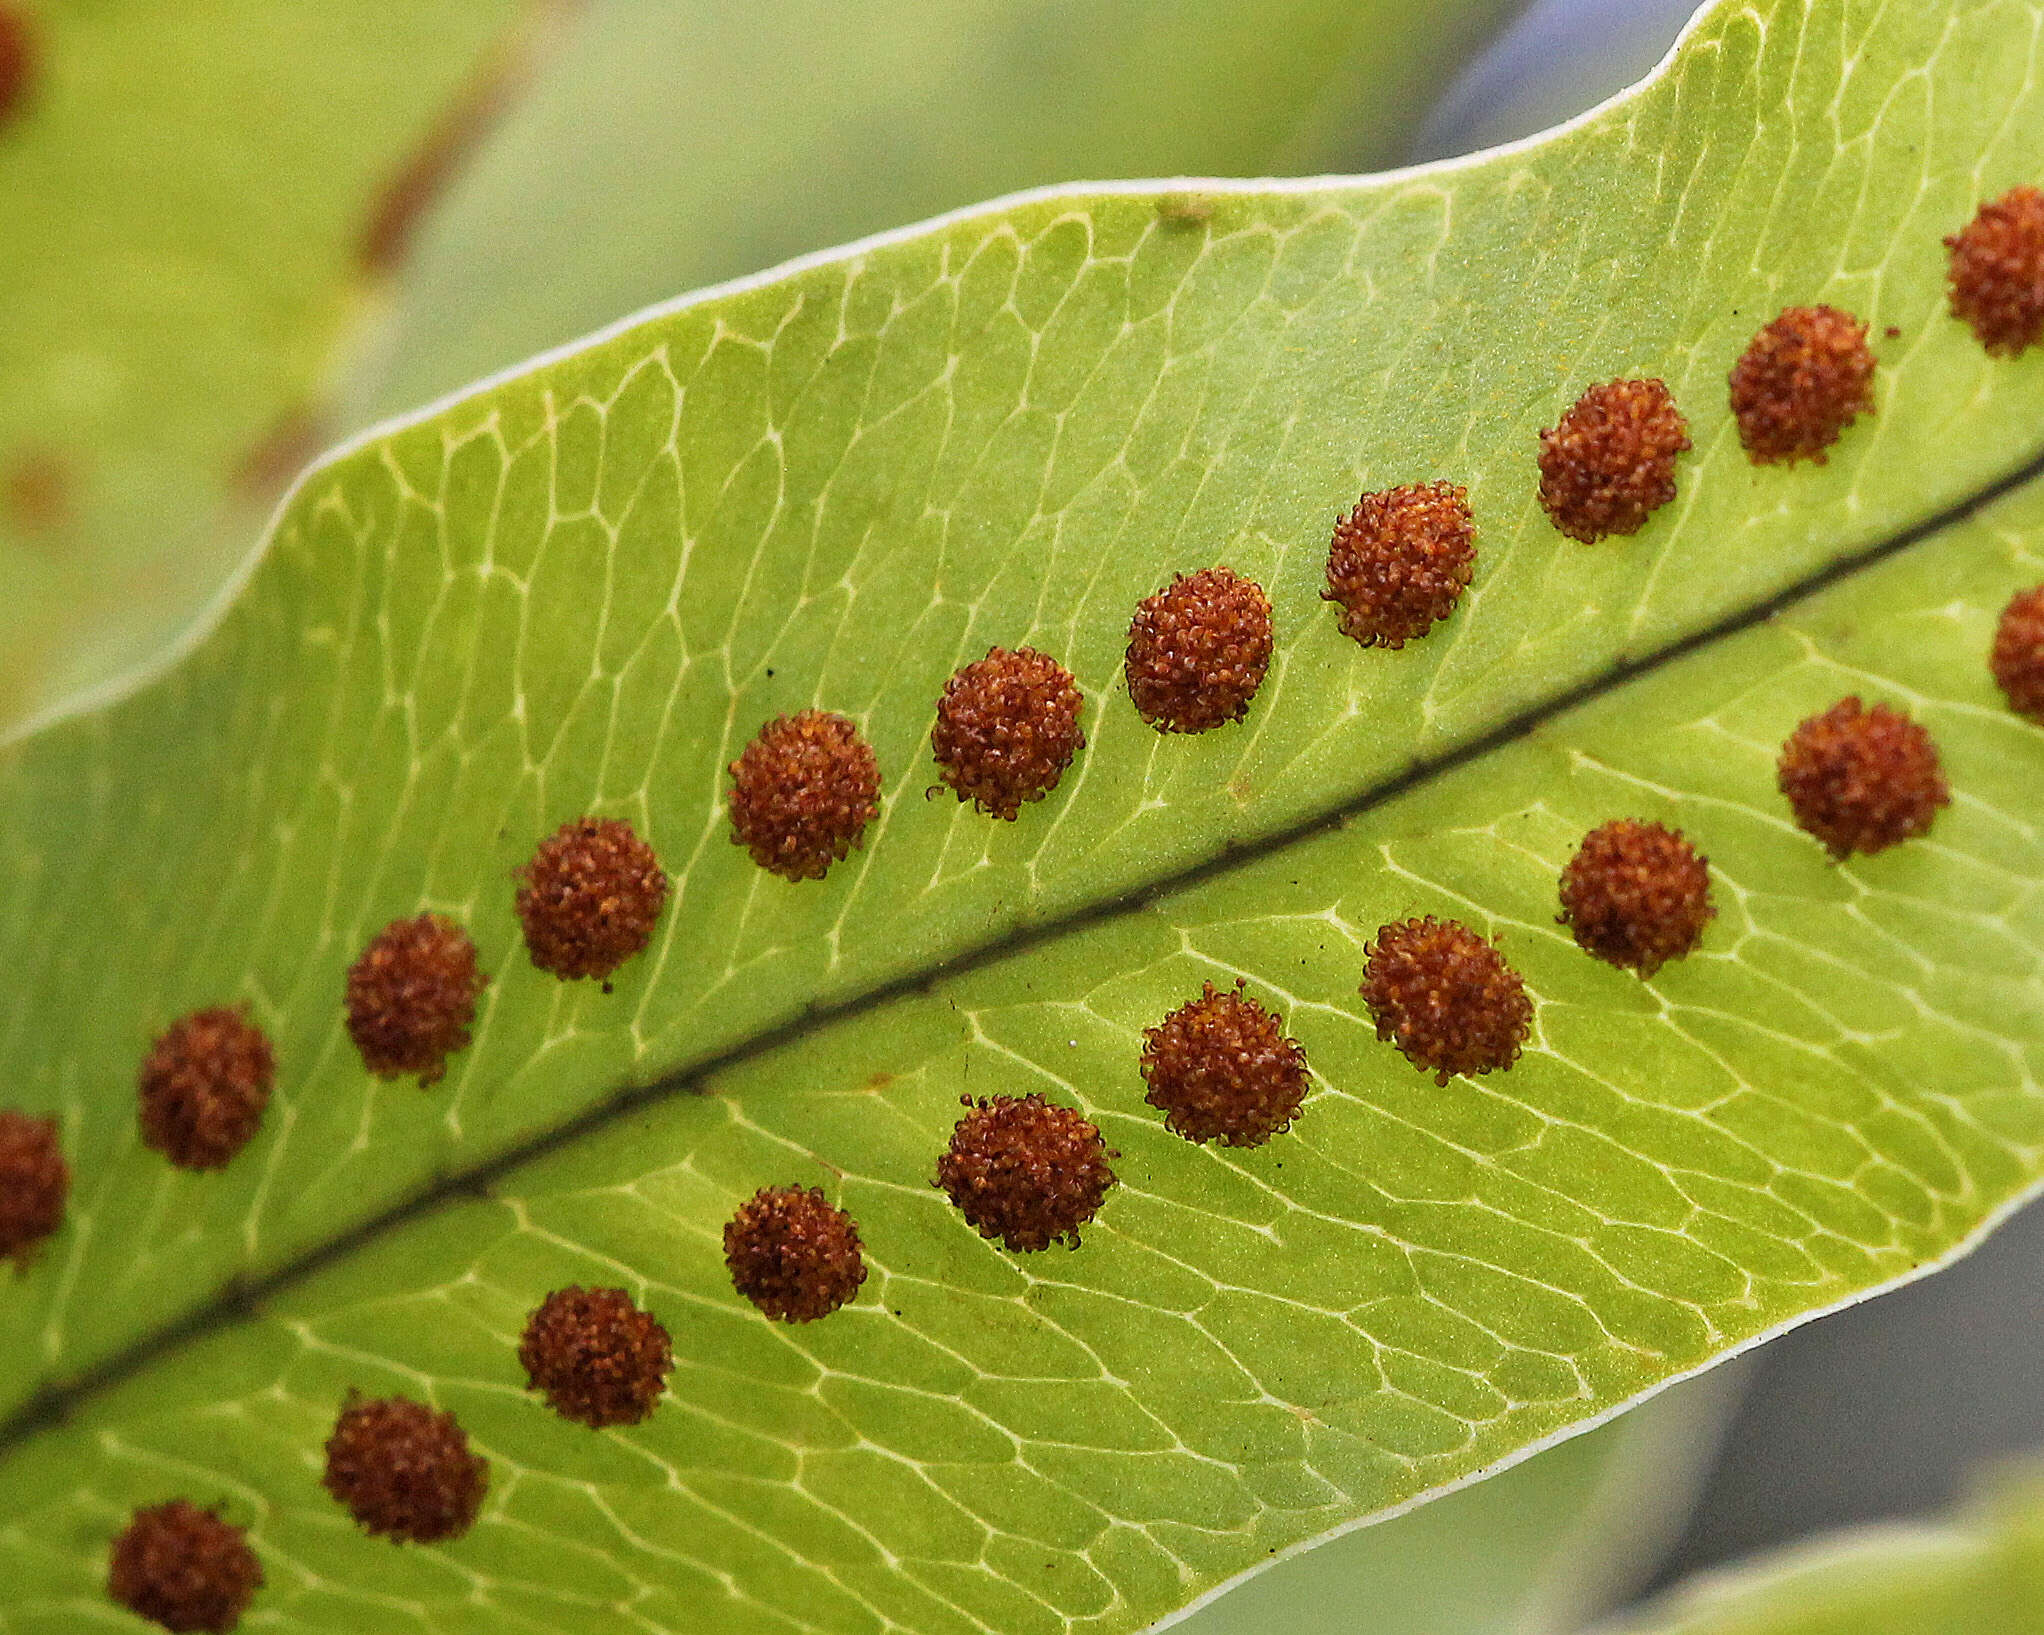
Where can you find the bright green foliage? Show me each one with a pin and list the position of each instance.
(1250, 1347)
(830, 120)
(182, 196)
(1981, 1573)
(1530, 1549)
(583, 588)
(1535, 1549)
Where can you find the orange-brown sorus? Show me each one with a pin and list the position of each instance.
(1636, 895)
(1800, 382)
(1445, 997)
(1221, 1069)
(412, 995)
(802, 793)
(204, 1085)
(793, 1253)
(1197, 650)
(1007, 727)
(595, 1356)
(34, 1182)
(184, 1568)
(2017, 661)
(17, 59)
(1400, 561)
(1610, 462)
(1860, 779)
(1025, 1171)
(589, 898)
(1997, 272)
(404, 1471)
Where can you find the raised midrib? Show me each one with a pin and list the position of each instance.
(242, 1298)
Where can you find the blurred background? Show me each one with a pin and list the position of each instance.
(233, 231)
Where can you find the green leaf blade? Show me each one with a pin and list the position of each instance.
(1250, 1347)
(583, 587)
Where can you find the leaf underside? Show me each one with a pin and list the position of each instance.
(583, 588)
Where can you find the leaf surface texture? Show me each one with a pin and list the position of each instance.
(583, 588)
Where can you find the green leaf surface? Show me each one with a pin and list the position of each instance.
(583, 587)
(1980, 1572)
(1534, 1550)
(671, 145)
(185, 189)
(1525, 1552)
(1250, 1348)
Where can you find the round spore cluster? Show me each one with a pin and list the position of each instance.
(2017, 661)
(1445, 997)
(589, 898)
(1636, 895)
(184, 1568)
(595, 1356)
(1801, 381)
(1860, 779)
(1197, 651)
(412, 997)
(1021, 1170)
(793, 1253)
(802, 793)
(1610, 463)
(1007, 727)
(1221, 1069)
(404, 1471)
(34, 1182)
(1025, 1171)
(1400, 561)
(1997, 272)
(204, 1085)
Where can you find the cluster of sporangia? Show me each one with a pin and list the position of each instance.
(1020, 1169)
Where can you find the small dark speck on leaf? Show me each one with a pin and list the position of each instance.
(1892, 332)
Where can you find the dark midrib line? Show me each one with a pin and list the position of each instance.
(241, 1299)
